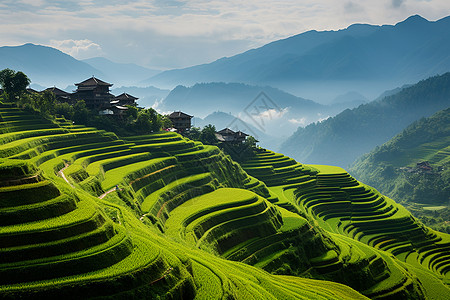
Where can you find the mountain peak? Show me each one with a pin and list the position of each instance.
(413, 20)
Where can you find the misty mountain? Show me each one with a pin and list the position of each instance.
(46, 66)
(118, 73)
(230, 97)
(364, 58)
(271, 110)
(148, 96)
(350, 97)
(341, 139)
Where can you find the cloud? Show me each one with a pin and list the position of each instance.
(79, 49)
(180, 33)
(397, 3)
(352, 7)
(301, 121)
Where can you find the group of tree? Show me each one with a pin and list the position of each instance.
(13, 83)
(135, 121)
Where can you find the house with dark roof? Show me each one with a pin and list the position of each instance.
(227, 135)
(180, 121)
(60, 95)
(124, 99)
(95, 93)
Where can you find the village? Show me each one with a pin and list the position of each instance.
(97, 97)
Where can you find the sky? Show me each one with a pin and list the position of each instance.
(179, 33)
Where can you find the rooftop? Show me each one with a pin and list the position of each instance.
(93, 82)
(179, 114)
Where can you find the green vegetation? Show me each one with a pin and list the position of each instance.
(413, 168)
(85, 213)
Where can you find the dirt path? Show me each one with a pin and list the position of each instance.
(61, 174)
(108, 192)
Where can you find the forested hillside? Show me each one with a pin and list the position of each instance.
(341, 139)
(414, 166)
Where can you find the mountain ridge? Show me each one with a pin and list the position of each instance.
(341, 139)
(385, 55)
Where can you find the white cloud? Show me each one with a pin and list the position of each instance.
(79, 49)
(323, 119)
(272, 114)
(301, 121)
(180, 33)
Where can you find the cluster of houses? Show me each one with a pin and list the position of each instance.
(97, 96)
(181, 123)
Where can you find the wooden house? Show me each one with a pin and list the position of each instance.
(95, 93)
(227, 135)
(124, 99)
(60, 95)
(181, 121)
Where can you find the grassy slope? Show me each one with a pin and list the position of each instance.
(180, 209)
(93, 247)
(335, 201)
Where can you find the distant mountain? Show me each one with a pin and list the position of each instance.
(271, 110)
(341, 139)
(392, 168)
(362, 57)
(350, 97)
(120, 74)
(148, 96)
(46, 66)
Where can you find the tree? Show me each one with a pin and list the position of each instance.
(45, 103)
(81, 113)
(165, 121)
(208, 135)
(13, 83)
(194, 133)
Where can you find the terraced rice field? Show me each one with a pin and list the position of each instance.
(342, 205)
(59, 239)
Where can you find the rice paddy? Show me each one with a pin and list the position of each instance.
(83, 212)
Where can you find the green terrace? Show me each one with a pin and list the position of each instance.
(342, 205)
(84, 212)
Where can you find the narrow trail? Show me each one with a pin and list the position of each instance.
(108, 192)
(61, 174)
(153, 173)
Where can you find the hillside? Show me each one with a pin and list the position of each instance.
(160, 216)
(320, 65)
(341, 139)
(392, 168)
(47, 66)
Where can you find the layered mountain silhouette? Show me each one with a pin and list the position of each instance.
(273, 112)
(362, 57)
(46, 66)
(341, 139)
(125, 74)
